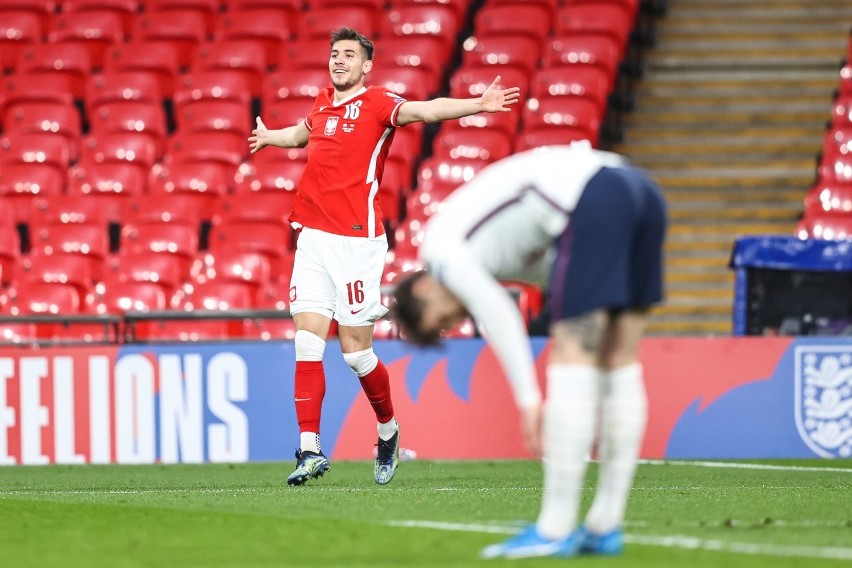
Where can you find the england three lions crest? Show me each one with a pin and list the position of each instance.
(824, 399)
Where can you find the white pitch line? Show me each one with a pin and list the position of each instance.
(736, 465)
(669, 541)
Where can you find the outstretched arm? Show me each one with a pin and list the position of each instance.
(290, 137)
(494, 99)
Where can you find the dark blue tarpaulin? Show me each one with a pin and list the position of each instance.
(782, 252)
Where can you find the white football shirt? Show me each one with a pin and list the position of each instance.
(501, 225)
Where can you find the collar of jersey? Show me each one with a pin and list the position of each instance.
(357, 93)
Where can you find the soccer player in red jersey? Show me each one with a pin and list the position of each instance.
(341, 247)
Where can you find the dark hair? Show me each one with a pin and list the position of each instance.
(407, 310)
(349, 33)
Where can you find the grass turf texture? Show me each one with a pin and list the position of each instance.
(432, 514)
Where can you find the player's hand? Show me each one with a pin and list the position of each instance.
(531, 419)
(259, 136)
(497, 99)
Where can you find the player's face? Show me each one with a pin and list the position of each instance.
(347, 64)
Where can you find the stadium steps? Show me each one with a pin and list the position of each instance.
(729, 118)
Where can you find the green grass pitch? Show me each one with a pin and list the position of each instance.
(701, 514)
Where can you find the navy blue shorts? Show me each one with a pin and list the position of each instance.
(610, 256)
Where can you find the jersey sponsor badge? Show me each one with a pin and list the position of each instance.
(824, 399)
(331, 125)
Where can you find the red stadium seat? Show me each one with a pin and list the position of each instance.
(584, 49)
(320, 22)
(444, 175)
(178, 241)
(256, 207)
(841, 111)
(41, 8)
(142, 118)
(220, 295)
(40, 117)
(108, 184)
(302, 83)
(827, 226)
(432, 19)
(567, 112)
(609, 20)
(408, 237)
(572, 81)
(224, 85)
(180, 208)
(208, 9)
(126, 10)
(44, 149)
(537, 136)
(69, 59)
(471, 145)
(287, 112)
(107, 177)
(409, 82)
(17, 30)
(71, 269)
(305, 53)
(270, 176)
(426, 52)
(504, 123)
(215, 115)
(20, 184)
(185, 30)
(838, 140)
(460, 8)
(289, 7)
(37, 87)
(829, 198)
(61, 209)
(94, 30)
(265, 28)
(121, 297)
(472, 81)
(846, 78)
(89, 241)
(530, 19)
(245, 56)
(161, 59)
(47, 299)
(227, 149)
(505, 50)
(272, 241)
(199, 181)
(835, 167)
(10, 253)
(123, 86)
(251, 268)
(163, 270)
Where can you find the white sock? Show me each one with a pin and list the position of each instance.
(570, 413)
(309, 442)
(388, 429)
(624, 411)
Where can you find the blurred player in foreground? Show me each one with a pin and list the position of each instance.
(589, 228)
(341, 248)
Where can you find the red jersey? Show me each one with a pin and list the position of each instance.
(347, 147)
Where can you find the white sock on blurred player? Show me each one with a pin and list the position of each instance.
(624, 411)
(570, 413)
(309, 442)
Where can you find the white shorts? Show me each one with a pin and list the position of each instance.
(338, 277)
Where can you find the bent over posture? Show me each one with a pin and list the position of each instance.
(589, 228)
(341, 248)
